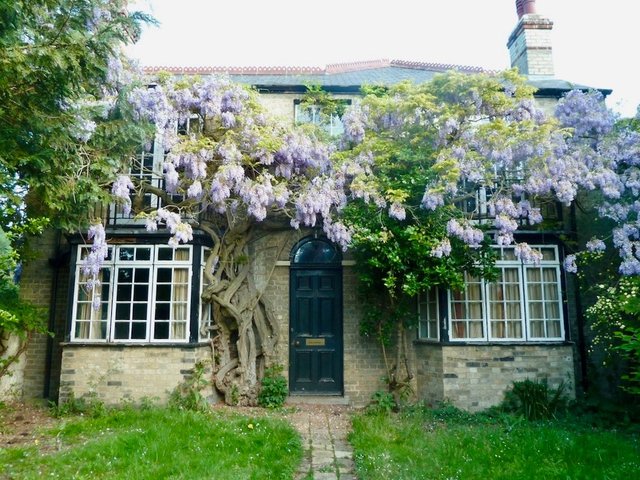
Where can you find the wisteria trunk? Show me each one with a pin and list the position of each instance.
(245, 333)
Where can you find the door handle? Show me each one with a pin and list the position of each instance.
(296, 343)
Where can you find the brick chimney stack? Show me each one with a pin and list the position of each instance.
(530, 42)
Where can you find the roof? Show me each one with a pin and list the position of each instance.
(349, 77)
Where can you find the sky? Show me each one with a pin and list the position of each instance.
(594, 41)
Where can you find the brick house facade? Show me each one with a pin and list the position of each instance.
(465, 361)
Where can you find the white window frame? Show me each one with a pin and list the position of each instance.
(205, 319)
(525, 301)
(423, 300)
(115, 265)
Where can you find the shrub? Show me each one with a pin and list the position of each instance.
(89, 405)
(382, 402)
(274, 388)
(188, 394)
(534, 400)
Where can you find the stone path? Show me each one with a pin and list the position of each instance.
(324, 429)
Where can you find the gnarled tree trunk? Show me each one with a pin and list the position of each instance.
(245, 332)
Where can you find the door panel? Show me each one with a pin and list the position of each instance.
(316, 331)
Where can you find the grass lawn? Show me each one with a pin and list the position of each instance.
(159, 443)
(449, 444)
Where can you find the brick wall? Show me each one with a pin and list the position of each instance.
(36, 284)
(476, 377)
(128, 373)
(530, 46)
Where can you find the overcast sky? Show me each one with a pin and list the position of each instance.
(594, 42)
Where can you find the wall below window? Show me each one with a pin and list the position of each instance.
(476, 377)
(127, 373)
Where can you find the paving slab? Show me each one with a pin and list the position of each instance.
(324, 429)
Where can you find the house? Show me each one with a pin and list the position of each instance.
(152, 328)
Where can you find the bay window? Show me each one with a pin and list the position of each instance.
(144, 295)
(524, 303)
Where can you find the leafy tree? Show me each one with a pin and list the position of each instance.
(62, 133)
(61, 68)
(612, 216)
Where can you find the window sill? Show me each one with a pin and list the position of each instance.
(136, 345)
(485, 343)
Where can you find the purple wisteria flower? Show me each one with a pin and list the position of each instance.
(570, 264)
(471, 236)
(596, 245)
(397, 211)
(431, 201)
(121, 189)
(443, 249)
(526, 254)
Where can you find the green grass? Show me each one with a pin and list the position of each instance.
(422, 444)
(157, 444)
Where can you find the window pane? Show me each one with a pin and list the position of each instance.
(536, 310)
(124, 293)
(126, 254)
(163, 311)
(163, 292)
(139, 311)
(534, 290)
(123, 311)
(141, 293)
(164, 275)
(537, 328)
(143, 253)
(548, 253)
(533, 275)
(138, 330)
(553, 329)
(121, 330)
(142, 275)
(161, 330)
(552, 310)
(125, 275)
(165, 253)
(551, 291)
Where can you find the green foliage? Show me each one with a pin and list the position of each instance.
(188, 394)
(382, 402)
(159, 443)
(61, 68)
(535, 400)
(17, 317)
(89, 405)
(615, 319)
(328, 105)
(274, 390)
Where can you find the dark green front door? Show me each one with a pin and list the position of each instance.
(315, 360)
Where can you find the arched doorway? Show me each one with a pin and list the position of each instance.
(315, 318)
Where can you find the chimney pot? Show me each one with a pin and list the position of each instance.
(525, 7)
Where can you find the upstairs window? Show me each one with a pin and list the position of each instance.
(330, 122)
